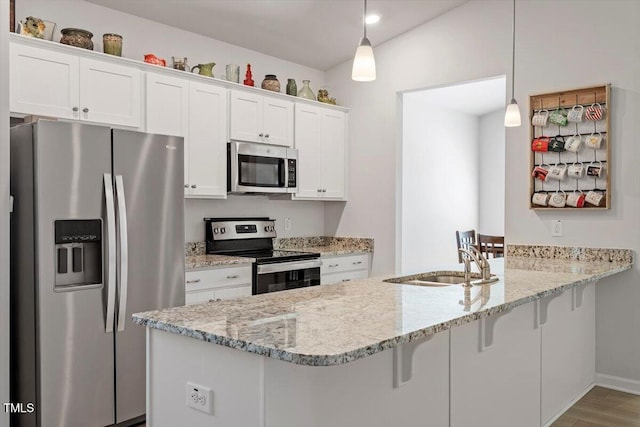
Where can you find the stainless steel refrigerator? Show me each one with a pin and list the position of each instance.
(97, 234)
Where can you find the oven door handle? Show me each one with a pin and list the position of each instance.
(288, 266)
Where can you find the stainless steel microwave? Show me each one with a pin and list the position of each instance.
(261, 168)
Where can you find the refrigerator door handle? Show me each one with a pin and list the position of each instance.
(124, 253)
(111, 252)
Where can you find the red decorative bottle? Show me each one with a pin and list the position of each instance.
(248, 81)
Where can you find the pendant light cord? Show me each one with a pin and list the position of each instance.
(364, 19)
(513, 52)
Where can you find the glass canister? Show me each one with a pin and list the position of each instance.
(292, 88)
(112, 44)
(271, 83)
(306, 91)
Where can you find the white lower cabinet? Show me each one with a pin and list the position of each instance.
(217, 283)
(568, 348)
(344, 268)
(495, 371)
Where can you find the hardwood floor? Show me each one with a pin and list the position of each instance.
(602, 407)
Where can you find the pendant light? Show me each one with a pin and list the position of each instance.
(364, 65)
(512, 115)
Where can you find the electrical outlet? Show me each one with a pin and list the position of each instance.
(556, 228)
(287, 224)
(200, 398)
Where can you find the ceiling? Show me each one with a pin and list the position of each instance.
(317, 33)
(477, 98)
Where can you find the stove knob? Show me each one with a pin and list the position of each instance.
(223, 230)
(266, 228)
(216, 230)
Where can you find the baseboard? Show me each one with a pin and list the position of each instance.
(569, 405)
(618, 383)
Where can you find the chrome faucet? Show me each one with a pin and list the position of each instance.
(481, 262)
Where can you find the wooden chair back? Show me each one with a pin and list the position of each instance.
(464, 239)
(491, 245)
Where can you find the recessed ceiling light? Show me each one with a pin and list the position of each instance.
(372, 19)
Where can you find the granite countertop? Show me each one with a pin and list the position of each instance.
(193, 262)
(325, 246)
(336, 324)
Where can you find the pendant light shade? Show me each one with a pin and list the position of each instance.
(364, 64)
(512, 114)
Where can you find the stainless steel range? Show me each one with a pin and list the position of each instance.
(274, 269)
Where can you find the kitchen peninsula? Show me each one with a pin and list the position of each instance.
(375, 353)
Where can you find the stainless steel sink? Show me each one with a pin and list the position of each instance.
(441, 278)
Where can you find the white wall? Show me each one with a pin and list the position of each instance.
(307, 217)
(491, 171)
(439, 181)
(472, 42)
(4, 210)
(142, 36)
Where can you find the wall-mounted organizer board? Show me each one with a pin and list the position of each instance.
(570, 163)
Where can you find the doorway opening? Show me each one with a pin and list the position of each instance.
(451, 173)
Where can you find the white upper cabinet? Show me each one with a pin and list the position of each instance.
(44, 82)
(109, 93)
(167, 104)
(258, 118)
(196, 111)
(321, 140)
(51, 83)
(207, 140)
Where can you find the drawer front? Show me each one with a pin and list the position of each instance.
(339, 264)
(198, 296)
(218, 277)
(347, 276)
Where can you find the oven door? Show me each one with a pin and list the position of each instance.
(286, 275)
(257, 168)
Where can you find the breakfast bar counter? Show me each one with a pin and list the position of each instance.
(320, 329)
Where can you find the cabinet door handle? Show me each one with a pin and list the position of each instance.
(233, 276)
(357, 262)
(193, 281)
(193, 186)
(85, 110)
(260, 135)
(186, 186)
(333, 265)
(346, 280)
(75, 109)
(319, 190)
(266, 135)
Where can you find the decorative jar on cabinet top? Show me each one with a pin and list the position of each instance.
(292, 88)
(271, 83)
(77, 37)
(306, 91)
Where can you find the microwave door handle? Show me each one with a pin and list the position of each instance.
(111, 252)
(283, 172)
(124, 253)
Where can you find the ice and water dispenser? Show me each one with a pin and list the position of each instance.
(78, 252)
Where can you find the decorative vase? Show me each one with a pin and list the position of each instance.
(292, 88)
(271, 83)
(77, 37)
(112, 44)
(248, 81)
(306, 91)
